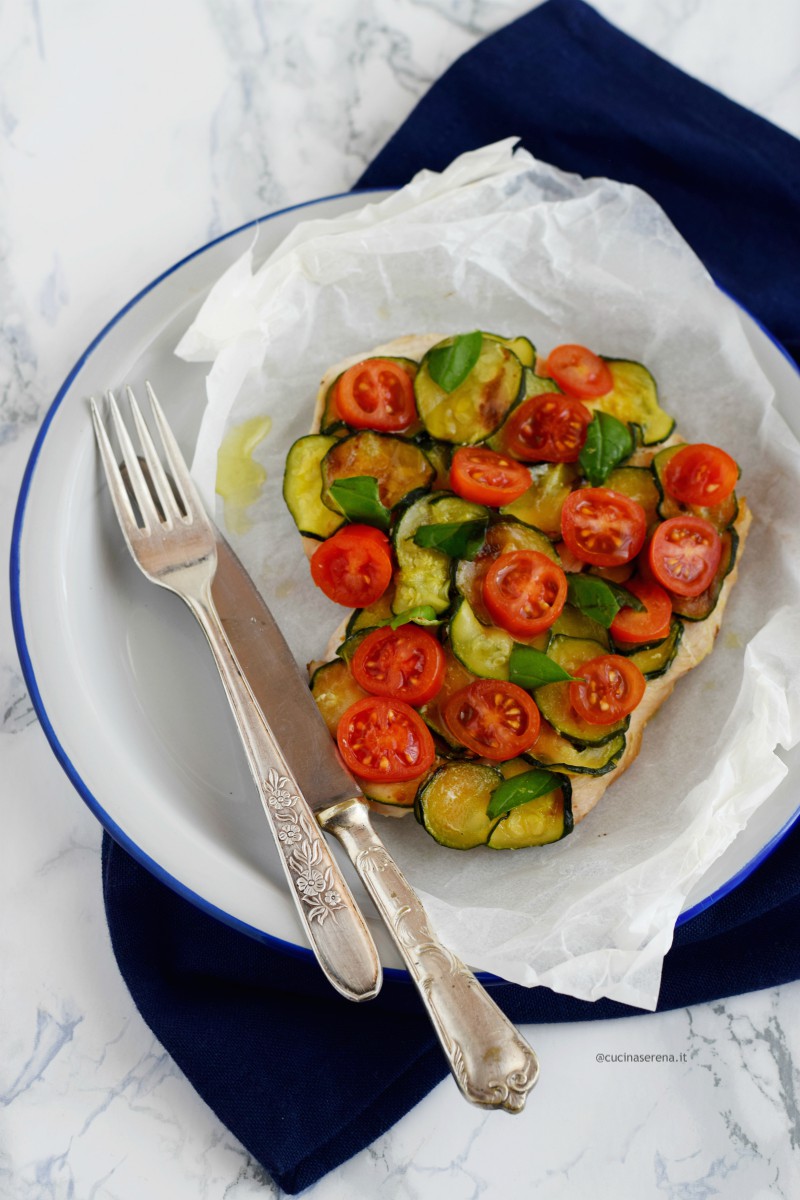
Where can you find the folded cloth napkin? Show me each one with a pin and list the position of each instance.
(303, 1078)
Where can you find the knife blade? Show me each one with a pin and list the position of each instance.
(491, 1062)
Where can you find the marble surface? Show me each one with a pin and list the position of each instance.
(130, 134)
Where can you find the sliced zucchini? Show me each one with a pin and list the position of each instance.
(532, 385)
(400, 467)
(452, 804)
(302, 487)
(638, 484)
(439, 454)
(484, 650)
(334, 690)
(656, 659)
(521, 346)
(553, 751)
(501, 538)
(541, 505)
(376, 614)
(634, 399)
(473, 410)
(721, 516)
(697, 608)
(351, 644)
(397, 795)
(424, 573)
(537, 823)
(331, 418)
(575, 624)
(553, 700)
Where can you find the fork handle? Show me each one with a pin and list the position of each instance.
(490, 1060)
(331, 918)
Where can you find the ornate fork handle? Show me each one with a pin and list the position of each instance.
(330, 916)
(492, 1063)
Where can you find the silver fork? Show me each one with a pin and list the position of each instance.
(174, 544)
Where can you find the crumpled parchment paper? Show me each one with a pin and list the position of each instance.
(505, 243)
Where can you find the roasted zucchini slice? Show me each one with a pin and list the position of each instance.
(484, 650)
(302, 487)
(400, 467)
(553, 699)
(334, 690)
(424, 573)
(634, 400)
(376, 614)
(537, 823)
(541, 505)
(575, 624)
(521, 346)
(452, 804)
(721, 516)
(638, 484)
(554, 752)
(656, 660)
(473, 410)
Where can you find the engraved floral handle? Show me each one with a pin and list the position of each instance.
(332, 920)
(491, 1062)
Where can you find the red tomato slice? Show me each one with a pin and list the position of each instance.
(354, 567)
(603, 527)
(579, 372)
(524, 592)
(700, 474)
(611, 687)
(485, 477)
(384, 739)
(684, 554)
(648, 626)
(404, 664)
(547, 428)
(376, 394)
(494, 719)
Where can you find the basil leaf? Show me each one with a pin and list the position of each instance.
(519, 790)
(608, 443)
(530, 668)
(594, 597)
(626, 599)
(450, 365)
(421, 614)
(358, 498)
(459, 539)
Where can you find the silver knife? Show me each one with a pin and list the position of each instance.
(491, 1062)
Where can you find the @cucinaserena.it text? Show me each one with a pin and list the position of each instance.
(624, 1057)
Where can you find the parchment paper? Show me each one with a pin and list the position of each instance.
(505, 243)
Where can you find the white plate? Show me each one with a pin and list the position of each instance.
(120, 676)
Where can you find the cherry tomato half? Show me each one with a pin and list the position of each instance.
(684, 555)
(494, 719)
(700, 474)
(603, 527)
(384, 739)
(404, 664)
(648, 626)
(611, 687)
(548, 428)
(524, 592)
(376, 394)
(354, 567)
(579, 372)
(485, 477)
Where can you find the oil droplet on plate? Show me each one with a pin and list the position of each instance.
(239, 478)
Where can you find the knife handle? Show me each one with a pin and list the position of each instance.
(492, 1063)
(331, 918)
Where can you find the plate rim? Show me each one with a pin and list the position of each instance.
(18, 625)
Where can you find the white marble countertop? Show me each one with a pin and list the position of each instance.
(130, 134)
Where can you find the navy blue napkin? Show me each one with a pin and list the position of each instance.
(303, 1078)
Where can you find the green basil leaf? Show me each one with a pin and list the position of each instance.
(358, 499)
(608, 443)
(459, 539)
(530, 668)
(450, 365)
(519, 790)
(421, 614)
(594, 597)
(626, 599)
